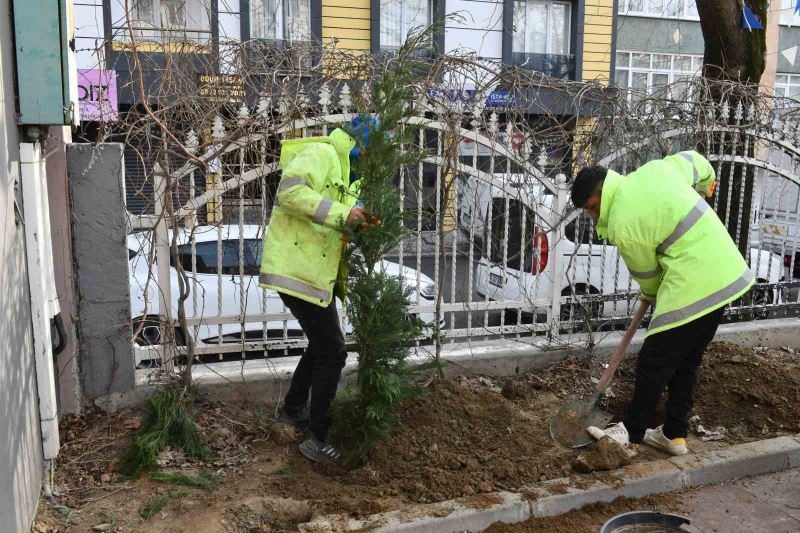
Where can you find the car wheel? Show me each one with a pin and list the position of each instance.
(148, 332)
(579, 312)
(754, 302)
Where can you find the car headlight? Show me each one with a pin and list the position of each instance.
(428, 291)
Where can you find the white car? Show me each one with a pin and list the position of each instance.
(221, 294)
(589, 267)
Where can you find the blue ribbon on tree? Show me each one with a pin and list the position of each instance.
(750, 20)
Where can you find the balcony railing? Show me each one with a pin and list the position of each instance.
(554, 65)
(273, 55)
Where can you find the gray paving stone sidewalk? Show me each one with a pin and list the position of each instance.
(768, 503)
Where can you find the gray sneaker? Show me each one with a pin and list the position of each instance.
(315, 450)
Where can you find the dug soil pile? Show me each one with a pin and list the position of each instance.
(464, 437)
(754, 394)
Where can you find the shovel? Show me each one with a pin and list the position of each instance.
(568, 425)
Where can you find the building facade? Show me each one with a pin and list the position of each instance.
(568, 39)
(659, 42)
(39, 106)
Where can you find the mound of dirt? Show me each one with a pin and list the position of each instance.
(459, 440)
(607, 455)
(754, 394)
(465, 437)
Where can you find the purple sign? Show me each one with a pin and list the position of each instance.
(97, 93)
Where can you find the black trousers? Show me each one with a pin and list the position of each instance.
(669, 359)
(320, 367)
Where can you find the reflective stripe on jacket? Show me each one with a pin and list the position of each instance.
(673, 243)
(303, 246)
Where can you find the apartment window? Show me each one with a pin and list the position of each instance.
(282, 20)
(788, 86)
(646, 73)
(683, 9)
(541, 27)
(163, 20)
(541, 37)
(788, 15)
(399, 17)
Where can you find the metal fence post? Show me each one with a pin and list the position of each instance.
(556, 255)
(162, 260)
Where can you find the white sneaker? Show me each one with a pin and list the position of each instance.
(616, 432)
(657, 439)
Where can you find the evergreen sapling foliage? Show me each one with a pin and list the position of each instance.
(377, 302)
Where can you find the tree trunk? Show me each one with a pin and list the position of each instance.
(732, 53)
(738, 55)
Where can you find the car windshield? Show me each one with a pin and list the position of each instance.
(207, 261)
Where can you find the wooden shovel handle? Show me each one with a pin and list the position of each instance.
(605, 379)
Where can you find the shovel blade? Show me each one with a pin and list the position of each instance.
(568, 425)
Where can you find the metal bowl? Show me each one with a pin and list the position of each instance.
(647, 522)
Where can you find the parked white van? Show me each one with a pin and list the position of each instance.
(520, 272)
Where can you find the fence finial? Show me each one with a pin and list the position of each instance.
(751, 112)
(344, 98)
(542, 159)
(302, 99)
(324, 99)
(739, 112)
(191, 141)
(244, 115)
(218, 129)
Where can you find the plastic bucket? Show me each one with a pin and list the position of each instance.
(646, 522)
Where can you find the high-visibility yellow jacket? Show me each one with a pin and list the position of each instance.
(673, 243)
(303, 246)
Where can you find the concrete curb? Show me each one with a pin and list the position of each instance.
(550, 498)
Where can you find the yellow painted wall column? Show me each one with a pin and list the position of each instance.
(598, 31)
(347, 21)
(598, 35)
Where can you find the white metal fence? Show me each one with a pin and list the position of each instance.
(498, 251)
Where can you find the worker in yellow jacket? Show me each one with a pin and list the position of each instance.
(686, 264)
(303, 262)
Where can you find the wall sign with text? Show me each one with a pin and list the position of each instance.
(97, 94)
